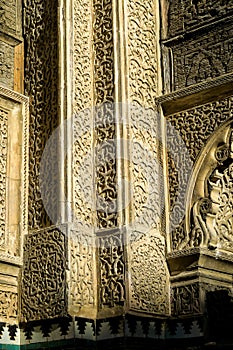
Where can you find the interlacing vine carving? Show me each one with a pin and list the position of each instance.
(3, 172)
(149, 277)
(112, 270)
(105, 166)
(41, 82)
(83, 114)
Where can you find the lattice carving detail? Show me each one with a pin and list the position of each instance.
(44, 284)
(41, 81)
(112, 270)
(194, 127)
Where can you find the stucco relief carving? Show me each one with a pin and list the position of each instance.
(149, 277)
(203, 57)
(41, 82)
(44, 275)
(8, 306)
(83, 116)
(213, 214)
(3, 172)
(81, 289)
(194, 126)
(185, 299)
(105, 157)
(112, 270)
(187, 14)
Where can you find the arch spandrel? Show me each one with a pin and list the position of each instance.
(209, 209)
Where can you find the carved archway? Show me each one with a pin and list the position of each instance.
(209, 205)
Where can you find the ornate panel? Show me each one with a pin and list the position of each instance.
(104, 115)
(111, 270)
(44, 276)
(41, 85)
(81, 289)
(149, 276)
(185, 300)
(187, 133)
(8, 306)
(6, 65)
(203, 57)
(3, 173)
(188, 14)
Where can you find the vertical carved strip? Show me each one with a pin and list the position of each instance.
(81, 238)
(146, 227)
(112, 270)
(104, 117)
(3, 172)
(41, 82)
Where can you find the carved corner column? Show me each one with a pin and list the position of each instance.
(96, 276)
(14, 160)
